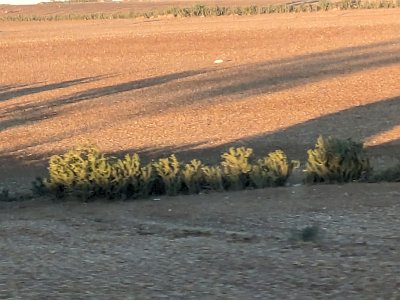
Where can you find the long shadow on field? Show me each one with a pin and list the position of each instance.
(31, 112)
(8, 87)
(125, 87)
(10, 92)
(273, 76)
(230, 83)
(360, 123)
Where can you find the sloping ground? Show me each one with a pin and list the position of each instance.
(217, 246)
(130, 85)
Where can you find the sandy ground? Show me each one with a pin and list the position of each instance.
(152, 86)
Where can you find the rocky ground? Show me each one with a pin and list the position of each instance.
(242, 245)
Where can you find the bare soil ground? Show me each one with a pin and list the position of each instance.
(217, 246)
(152, 86)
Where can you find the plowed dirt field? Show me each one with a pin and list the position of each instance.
(152, 85)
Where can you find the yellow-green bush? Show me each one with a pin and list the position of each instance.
(192, 176)
(336, 161)
(240, 172)
(168, 172)
(87, 173)
(236, 167)
(212, 178)
(83, 170)
(130, 178)
(273, 170)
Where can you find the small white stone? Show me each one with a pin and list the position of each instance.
(218, 61)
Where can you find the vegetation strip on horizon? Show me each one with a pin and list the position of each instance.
(200, 10)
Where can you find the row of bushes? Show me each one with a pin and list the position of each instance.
(87, 173)
(204, 11)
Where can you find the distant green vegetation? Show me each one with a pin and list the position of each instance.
(200, 10)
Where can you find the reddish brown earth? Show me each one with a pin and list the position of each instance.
(152, 86)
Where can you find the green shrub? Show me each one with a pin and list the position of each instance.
(147, 176)
(175, 11)
(310, 233)
(129, 178)
(5, 196)
(264, 10)
(239, 172)
(238, 11)
(213, 178)
(345, 4)
(324, 5)
(272, 170)
(336, 161)
(236, 167)
(251, 10)
(168, 172)
(83, 171)
(199, 10)
(192, 176)
(186, 12)
(222, 11)
(86, 173)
